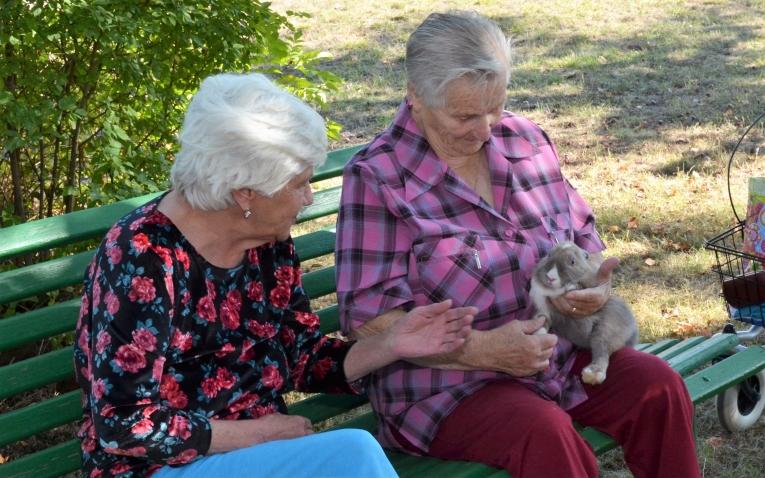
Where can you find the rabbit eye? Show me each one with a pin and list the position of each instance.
(586, 255)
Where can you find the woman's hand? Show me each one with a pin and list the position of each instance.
(515, 348)
(430, 330)
(585, 302)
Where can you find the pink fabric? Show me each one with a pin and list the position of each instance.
(411, 232)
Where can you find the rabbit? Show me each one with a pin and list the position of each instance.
(567, 267)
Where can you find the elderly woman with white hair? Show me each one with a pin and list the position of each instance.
(194, 323)
(459, 199)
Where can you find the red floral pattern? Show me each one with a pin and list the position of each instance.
(165, 340)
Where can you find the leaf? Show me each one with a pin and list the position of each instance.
(650, 262)
(633, 223)
(614, 229)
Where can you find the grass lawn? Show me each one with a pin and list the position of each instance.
(645, 100)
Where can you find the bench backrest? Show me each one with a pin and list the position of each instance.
(26, 380)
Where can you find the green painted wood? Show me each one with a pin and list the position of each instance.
(726, 373)
(35, 372)
(90, 223)
(643, 346)
(660, 345)
(39, 417)
(335, 163)
(600, 442)
(320, 407)
(49, 463)
(315, 244)
(67, 229)
(702, 353)
(52, 275)
(680, 347)
(38, 324)
(320, 282)
(325, 202)
(329, 319)
(39, 278)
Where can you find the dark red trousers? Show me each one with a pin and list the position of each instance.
(643, 404)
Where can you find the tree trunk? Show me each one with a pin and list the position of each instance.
(71, 177)
(18, 190)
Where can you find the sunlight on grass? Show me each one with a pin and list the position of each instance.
(645, 101)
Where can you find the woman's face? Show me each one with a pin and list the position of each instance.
(278, 213)
(463, 125)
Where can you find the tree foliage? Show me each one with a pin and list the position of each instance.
(93, 91)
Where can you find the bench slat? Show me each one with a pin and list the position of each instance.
(730, 371)
(329, 319)
(38, 324)
(315, 244)
(697, 356)
(65, 271)
(43, 277)
(48, 463)
(336, 161)
(57, 365)
(680, 347)
(59, 318)
(40, 417)
(35, 372)
(320, 407)
(94, 222)
(319, 282)
(659, 346)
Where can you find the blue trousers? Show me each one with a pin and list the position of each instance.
(347, 453)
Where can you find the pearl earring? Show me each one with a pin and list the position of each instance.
(247, 213)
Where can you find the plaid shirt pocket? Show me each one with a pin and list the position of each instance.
(457, 268)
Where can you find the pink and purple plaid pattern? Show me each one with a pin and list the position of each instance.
(411, 232)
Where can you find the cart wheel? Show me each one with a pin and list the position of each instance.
(740, 406)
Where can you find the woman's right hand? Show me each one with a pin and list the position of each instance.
(514, 349)
(230, 435)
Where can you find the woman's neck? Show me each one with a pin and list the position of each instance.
(214, 234)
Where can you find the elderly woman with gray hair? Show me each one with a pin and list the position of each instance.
(194, 323)
(459, 199)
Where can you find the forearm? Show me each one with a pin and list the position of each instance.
(468, 357)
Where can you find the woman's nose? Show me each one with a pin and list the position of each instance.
(308, 199)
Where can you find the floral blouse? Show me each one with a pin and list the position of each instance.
(166, 341)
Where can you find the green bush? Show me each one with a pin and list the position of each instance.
(93, 91)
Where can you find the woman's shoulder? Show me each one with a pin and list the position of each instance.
(525, 127)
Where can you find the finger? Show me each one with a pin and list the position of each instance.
(532, 325)
(459, 312)
(437, 308)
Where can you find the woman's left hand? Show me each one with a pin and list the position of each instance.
(585, 302)
(430, 330)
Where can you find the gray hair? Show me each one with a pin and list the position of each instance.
(452, 45)
(242, 131)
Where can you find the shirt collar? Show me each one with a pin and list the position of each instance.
(425, 169)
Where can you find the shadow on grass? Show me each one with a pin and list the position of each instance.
(682, 70)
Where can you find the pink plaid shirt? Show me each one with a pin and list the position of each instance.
(411, 232)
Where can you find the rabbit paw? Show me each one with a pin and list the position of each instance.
(593, 375)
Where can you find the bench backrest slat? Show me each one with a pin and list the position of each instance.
(40, 417)
(38, 324)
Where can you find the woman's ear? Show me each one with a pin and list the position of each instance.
(414, 100)
(244, 198)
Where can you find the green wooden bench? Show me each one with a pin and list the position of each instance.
(32, 381)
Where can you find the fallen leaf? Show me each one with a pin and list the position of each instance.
(614, 229)
(2, 459)
(714, 442)
(633, 223)
(649, 262)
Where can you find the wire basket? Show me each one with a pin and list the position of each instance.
(742, 275)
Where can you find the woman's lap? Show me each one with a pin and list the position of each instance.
(509, 426)
(341, 453)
